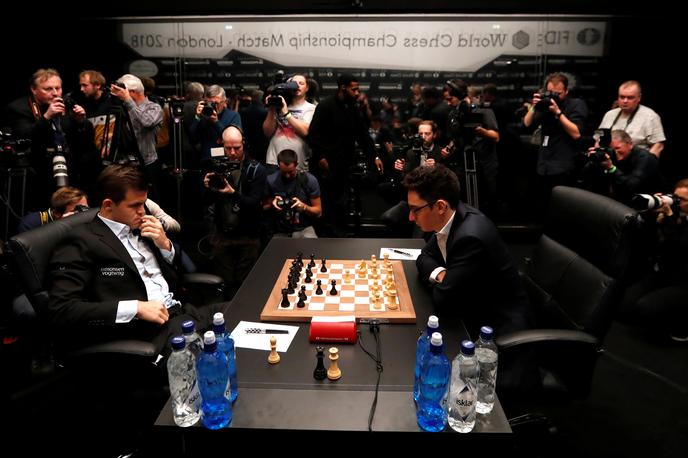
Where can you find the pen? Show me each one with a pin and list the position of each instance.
(266, 331)
(402, 252)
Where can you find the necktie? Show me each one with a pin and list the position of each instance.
(442, 244)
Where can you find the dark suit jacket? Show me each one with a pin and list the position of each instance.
(481, 285)
(89, 275)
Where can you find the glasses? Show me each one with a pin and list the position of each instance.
(415, 210)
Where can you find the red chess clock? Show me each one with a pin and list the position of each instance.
(333, 329)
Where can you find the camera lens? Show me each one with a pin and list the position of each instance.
(60, 171)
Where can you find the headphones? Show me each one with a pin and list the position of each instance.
(455, 90)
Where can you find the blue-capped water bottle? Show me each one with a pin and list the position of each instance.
(487, 354)
(181, 372)
(422, 347)
(213, 381)
(225, 343)
(435, 370)
(463, 395)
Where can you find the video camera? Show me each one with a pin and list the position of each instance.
(646, 202)
(546, 98)
(463, 121)
(14, 151)
(68, 102)
(603, 137)
(222, 167)
(280, 87)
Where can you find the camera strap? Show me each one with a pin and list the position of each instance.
(628, 121)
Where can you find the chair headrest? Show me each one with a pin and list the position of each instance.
(596, 227)
(32, 250)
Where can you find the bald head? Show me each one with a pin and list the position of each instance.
(233, 143)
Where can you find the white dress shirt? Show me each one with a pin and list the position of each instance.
(442, 237)
(147, 266)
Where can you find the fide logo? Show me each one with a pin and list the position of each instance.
(588, 36)
(520, 40)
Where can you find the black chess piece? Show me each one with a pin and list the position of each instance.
(323, 269)
(311, 264)
(302, 302)
(319, 290)
(309, 276)
(333, 291)
(285, 299)
(320, 372)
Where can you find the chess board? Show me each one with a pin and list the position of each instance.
(354, 297)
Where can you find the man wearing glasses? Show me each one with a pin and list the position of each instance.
(466, 264)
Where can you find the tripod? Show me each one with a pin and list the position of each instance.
(471, 172)
(177, 148)
(122, 136)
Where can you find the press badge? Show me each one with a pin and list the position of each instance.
(545, 140)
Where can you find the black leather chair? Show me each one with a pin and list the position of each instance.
(575, 279)
(31, 252)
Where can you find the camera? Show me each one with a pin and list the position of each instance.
(222, 167)
(69, 103)
(286, 89)
(176, 107)
(60, 172)
(209, 108)
(80, 208)
(643, 202)
(603, 139)
(14, 151)
(415, 142)
(599, 155)
(546, 98)
(463, 121)
(285, 204)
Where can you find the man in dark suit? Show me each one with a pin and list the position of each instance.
(116, 275)
(465, 262)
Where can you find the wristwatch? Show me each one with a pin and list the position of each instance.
(558, 115)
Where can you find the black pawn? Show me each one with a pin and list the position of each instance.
(333, 291)
(320, 372)
(312, 261)
(285, 299)
(302, 292)
(309, 276)
(301, 303)
(319, 290)
(323, 269)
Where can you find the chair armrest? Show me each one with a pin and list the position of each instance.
(121, 347)
(546, 335)
(202, 279)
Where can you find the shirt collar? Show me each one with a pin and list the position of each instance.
(119, 229)
(447, 227)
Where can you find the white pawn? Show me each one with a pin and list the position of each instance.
(274, 357)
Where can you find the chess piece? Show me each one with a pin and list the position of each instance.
(285, 299)
(311, 264)
(301, 302)
(333, 291)
(386, 257)
(319, 290)
(274, 357)
(362, 266)
(375, 276)
(347, 277)
(309, 276)
(323, 269)
(320, 372)
(334, 373)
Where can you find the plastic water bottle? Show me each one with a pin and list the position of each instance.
(486, 352)
(181, 372)
(213, 381)
(225, 343)
(463, 393)
(434, 380)
(422, 347)
(193, 340)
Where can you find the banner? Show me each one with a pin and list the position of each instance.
(391, 43)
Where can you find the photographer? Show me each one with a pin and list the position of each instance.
(60, 136)
(660, 300)
(211, 119)
(293, 197)
(64, 202)
(422, 151)
(640, 122)
(288, 121)
(472, 128)
(235, 211)
(621, 169)
(561, 120)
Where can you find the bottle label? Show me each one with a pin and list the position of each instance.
(194, 396)
(465, 401)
